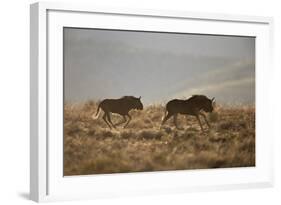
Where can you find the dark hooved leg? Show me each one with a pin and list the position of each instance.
(205, 118)
(175, 121)
(123, 121)
(109, 119)
(128, 120)
(166, 118)
(199, 122)
(104, 118)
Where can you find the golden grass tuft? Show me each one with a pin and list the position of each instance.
(90, 147)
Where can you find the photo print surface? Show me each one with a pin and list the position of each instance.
(140, 101)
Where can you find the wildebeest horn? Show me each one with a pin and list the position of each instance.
(213, 99)
(140, 97)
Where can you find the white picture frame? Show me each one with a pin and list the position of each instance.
(46, 179)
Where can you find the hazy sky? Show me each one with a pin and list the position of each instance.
(157, 66)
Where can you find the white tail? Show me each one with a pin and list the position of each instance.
(96, 116)
(164, 115)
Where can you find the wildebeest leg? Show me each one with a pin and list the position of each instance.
(109, 119)
(175, 120)
(104, 118)
(123, 121)
(128, 120)
(199, 122)
(166, 118)
(205, 118)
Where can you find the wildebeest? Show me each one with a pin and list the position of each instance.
(192, 106)
(121, 106)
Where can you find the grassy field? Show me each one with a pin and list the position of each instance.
(90, 147)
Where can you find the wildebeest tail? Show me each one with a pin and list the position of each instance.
(165, 113)
(96, 116)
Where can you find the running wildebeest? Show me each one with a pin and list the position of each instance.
(192, 106)
(121, 106)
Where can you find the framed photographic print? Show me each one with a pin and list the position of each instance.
(130, 101)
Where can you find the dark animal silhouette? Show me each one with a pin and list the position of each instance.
(192, 106)
(121, 106)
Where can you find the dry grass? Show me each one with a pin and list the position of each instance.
(90, 147)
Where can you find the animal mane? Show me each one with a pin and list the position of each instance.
(128, 97)
(197, 96)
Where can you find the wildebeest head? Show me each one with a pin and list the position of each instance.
(138, 104)
(209, 105)
(134, 102)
